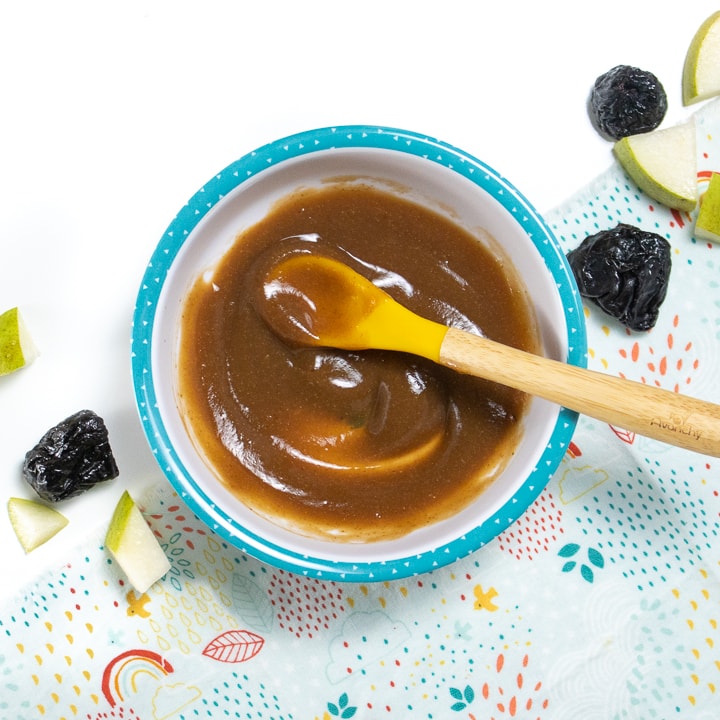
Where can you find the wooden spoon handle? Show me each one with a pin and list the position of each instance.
(655, 413)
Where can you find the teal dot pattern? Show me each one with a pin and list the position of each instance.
(651, 526)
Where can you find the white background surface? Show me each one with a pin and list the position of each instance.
(112, 114)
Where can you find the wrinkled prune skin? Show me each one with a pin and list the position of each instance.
(70, 458)
(625, 271)
(627, 101)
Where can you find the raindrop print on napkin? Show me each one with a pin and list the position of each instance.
(239, 696)
(184, 621)
(699, 603)
(713, 322)
(661, 658)
(386, 594)
(12, 688)
(642, 522)
(304, 606)
(534, 531)
(177, 533)
(55, 639)
(636, 656)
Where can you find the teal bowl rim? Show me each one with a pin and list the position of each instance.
(221, 184)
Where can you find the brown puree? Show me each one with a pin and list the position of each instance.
(354, 446)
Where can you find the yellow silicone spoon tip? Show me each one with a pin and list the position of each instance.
(316, 300)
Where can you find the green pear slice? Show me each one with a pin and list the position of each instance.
(133, 545)
(701, 72)
(663, 164)
(16, 346)
(33, 522)
(707, 224)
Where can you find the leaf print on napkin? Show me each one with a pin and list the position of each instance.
(234, 646)
(252, 603)
(343, 709)
(594, 556)
(463, 698)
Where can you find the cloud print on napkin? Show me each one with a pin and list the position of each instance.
(169, 700)
(364, 639)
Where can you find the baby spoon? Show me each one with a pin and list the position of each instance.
(318, 301)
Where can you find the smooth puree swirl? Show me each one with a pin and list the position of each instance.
(361, 425)
(357, 446)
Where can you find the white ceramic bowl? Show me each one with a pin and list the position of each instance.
(443, 178)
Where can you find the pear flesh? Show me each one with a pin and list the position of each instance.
(663, 164)
(17, 348)
(701, 72)
(34, 523)
(707, 224)
(134, 546)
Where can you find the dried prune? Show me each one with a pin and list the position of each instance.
(625, 271)
(626, 101)
(70, 458)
